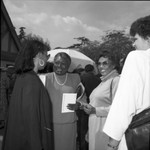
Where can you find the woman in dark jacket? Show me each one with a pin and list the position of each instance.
(28, 124)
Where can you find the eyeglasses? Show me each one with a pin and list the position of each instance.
(104, 64)
(133, 39)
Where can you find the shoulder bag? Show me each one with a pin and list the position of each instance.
(138, 133)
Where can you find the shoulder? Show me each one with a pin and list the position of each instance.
(73, 75)
(137, 60)
(115, 80)
(49, 75)
(28, 80)
(29, 76)
(138, 55)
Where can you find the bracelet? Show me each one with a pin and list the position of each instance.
(111, 146)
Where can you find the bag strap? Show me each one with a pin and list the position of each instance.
(111, 88)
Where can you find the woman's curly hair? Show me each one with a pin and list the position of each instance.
(31, 46)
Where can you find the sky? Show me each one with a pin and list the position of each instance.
(60, 22)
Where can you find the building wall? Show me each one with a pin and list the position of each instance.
(10, 44)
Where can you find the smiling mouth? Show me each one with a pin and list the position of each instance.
(102, 71)
(59, 70)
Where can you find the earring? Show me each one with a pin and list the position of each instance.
(41, 62)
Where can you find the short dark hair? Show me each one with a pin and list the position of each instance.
(89, 68)
(111, 56)
(63, 55)
(141, 27)
(107, 54)
(31, 46)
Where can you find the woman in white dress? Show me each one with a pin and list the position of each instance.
(100, 101)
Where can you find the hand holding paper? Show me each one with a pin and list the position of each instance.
(68, 98)
(74, 106)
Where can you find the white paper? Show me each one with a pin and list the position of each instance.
(43, 78)
(68, 98)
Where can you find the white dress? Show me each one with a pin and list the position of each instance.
(132, 96)
(101, 99)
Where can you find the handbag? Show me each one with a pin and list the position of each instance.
(138, 133)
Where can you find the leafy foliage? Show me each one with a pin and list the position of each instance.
(117, 42)
(22, 33)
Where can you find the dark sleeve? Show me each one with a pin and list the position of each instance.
(37, 115)
(46, 119)
(31, 115)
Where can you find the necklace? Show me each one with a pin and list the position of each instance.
(59, 82)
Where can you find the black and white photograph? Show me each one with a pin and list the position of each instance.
(75, 75)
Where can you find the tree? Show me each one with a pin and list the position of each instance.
(91, 49)
(21, 33)
(83, 40)
(119, 43)
(116, 41)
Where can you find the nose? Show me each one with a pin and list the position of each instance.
(59, 64)
(101, 65)
(134, 45)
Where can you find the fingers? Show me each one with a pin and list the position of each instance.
(88, 108)
(87, 111)
(72, 106)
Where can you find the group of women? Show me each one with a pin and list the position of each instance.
(35, 118)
